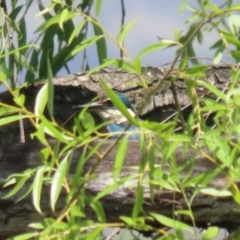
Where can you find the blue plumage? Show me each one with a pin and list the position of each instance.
(114, 127)
(108, 112)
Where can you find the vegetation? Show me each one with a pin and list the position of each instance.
(44, 57)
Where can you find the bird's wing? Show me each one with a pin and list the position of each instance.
(114, 128)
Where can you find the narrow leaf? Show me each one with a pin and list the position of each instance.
(172, 223)
(57, 181)
(118, 103)
(97, 207)
(7, 120)
(101, 44)
(82, 46)
(50, 88)
(16, 188)
(120, 157)
(138, 202)
(210, 233)
(76, 30)
(37, 188)
(25, 236)
(98, 5)
(125, 30)
(155, 47)
(63, 18)
(41, 101)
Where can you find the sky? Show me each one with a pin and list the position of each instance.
(155, 18)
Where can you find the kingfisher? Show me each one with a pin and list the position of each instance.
(117, 121)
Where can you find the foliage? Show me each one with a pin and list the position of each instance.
(45, 57)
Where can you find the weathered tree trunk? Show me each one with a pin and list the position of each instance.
(80, 88)
(77, 89)
(207, 210)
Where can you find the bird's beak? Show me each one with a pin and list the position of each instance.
(92, 106)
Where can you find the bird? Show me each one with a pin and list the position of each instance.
(106, 110)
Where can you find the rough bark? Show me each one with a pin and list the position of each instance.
(80, 88)
(207, 210)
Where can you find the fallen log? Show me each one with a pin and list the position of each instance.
(81, 88)
(207, 209)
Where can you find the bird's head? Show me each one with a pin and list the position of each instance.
(107, 111)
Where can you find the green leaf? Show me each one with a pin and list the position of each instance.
(87, 121)
(23, 39)
(18, 50)
(118, 103)
(210, 233)
(197, 69)
(125, 30)
(25, 236)
(37, 188)
(171, 223)
(101, 44)
(232, 39)
(29, 191)
(235, 193)
(234, 19)
(22, 61)
(236, 55)
(218, 44)
(17, 187)
(36, 225)
(41, 101)
(82, 46)
(3, 77)
(34, 63)
(215, 192)
(98, 4)
(13, 25)
(55, 20)
(7, 120)
(112, 187)
(217, 57)
(53, 131)
(138, 65)
(19, 100)
(76, 30)
(157, 46)
(61, 225)
(50, 91)
(124, 65)
(98, 209)
(122, 149)
(191, 54)
(212, 105)
(107, 190)
(213, 89)
(200, 36)
(63, 18)
(106, 63)
(95, 234)
(75, 211)
(129, 221)
(58, 180)
(46, 10)
(138, 202)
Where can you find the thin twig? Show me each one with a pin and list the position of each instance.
(113, 234)
(11, 58)
(122, 23)
(178, 108)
